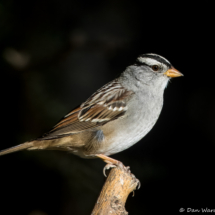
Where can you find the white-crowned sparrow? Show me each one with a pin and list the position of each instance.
(115, 117)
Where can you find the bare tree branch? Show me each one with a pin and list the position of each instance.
(115, 191)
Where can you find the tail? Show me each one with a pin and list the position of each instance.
(17, 148)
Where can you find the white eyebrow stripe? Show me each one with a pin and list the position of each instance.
(159, 57)
(149, 61)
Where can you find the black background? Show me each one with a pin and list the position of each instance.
(55, 54)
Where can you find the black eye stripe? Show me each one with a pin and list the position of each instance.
(138, 63)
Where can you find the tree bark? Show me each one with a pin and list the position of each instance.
(119, 184)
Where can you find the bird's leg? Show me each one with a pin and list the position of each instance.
(111, 163)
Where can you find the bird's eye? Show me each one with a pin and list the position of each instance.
(155, 67)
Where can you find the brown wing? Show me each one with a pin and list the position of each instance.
(107, 104)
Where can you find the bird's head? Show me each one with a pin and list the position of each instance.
(152, 70)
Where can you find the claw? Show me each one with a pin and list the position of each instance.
(127, 169)
(138, 184)
(137, 181)
(111, 163)
(108, 166)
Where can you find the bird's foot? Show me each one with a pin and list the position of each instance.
(112, 163)
(107, 167)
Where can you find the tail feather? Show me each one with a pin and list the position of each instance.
(16, 148)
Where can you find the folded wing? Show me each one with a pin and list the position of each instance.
(107, 104)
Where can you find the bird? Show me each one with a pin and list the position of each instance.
(115, 117)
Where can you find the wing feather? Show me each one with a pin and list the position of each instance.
(107, 104)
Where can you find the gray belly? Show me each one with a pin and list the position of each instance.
(124, 132)
(131, 128)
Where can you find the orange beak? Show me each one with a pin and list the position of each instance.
(173, 73)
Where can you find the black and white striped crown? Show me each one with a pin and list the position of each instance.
(152, 59)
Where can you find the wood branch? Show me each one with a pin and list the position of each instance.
(115, 191)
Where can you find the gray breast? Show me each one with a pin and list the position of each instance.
(138, 121)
